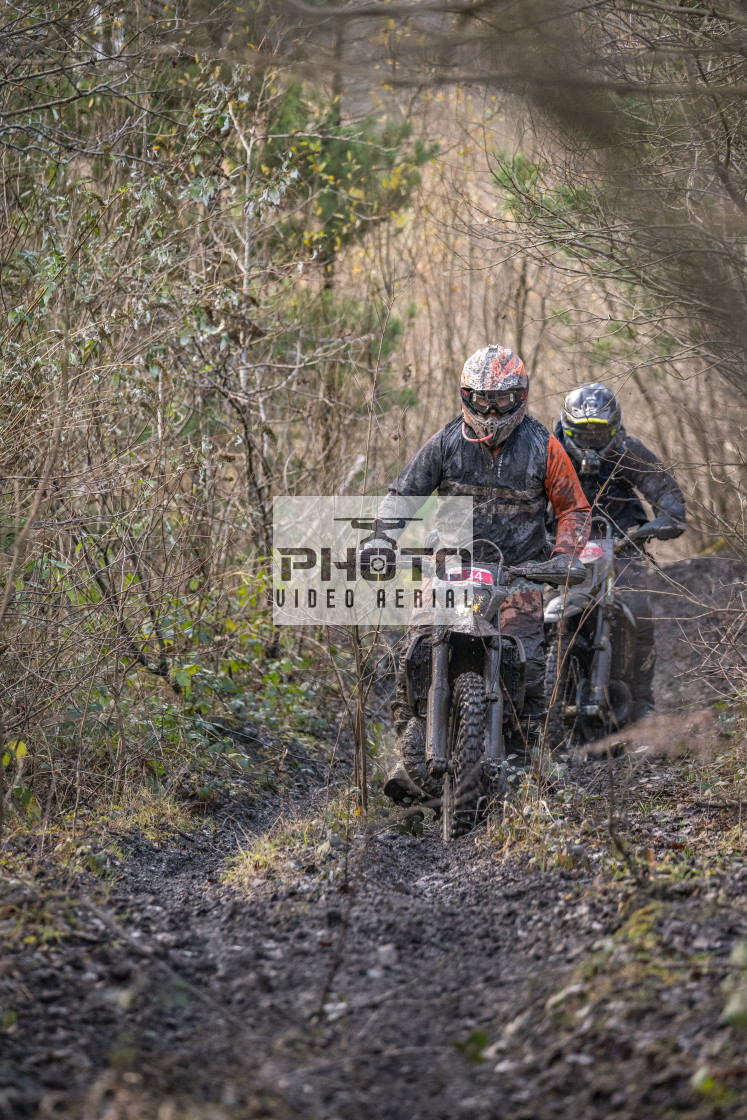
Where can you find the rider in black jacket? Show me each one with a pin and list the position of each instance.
(512, 467)
(614, 468)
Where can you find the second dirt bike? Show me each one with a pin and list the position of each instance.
(591, 642)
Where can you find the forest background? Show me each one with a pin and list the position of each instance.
(245, 252)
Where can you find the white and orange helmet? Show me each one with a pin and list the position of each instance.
(494, 390)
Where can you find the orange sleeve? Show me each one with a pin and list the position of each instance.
(564, 491)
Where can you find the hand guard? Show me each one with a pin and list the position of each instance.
(561, 570)
(663, 528)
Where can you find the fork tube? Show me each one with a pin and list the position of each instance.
(603, 656)
(494, 751)
(439, 695)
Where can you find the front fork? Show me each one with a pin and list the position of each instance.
(602, 664)
(439, 695)
(495, 753)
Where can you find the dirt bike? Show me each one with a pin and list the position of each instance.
(468, 679)
(590, 642)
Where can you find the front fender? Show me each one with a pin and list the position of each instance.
(472, 625)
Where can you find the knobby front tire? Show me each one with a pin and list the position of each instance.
(466, 742)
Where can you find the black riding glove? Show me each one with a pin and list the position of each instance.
(560, 570)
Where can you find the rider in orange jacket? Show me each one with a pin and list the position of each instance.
(511, 466)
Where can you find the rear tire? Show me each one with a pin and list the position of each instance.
(466, 744)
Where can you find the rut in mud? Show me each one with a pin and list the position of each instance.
(537, 973)
(428, 982)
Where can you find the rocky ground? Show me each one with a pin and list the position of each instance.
(586, 956)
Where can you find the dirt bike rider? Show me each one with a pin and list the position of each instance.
(511, 466)
(614, 468)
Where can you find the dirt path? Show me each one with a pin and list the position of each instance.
(428, 982)
(536, 971)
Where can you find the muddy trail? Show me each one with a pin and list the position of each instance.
(585, 957)
(421, 981)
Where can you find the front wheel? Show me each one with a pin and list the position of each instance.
(465, 747)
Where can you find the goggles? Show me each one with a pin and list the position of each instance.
(493, 400)
(595, 434)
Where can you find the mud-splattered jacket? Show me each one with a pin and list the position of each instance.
(510, 489)
(633, 467)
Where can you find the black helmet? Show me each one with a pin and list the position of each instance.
(591, 419)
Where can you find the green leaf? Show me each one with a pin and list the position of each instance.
(472, 1047)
